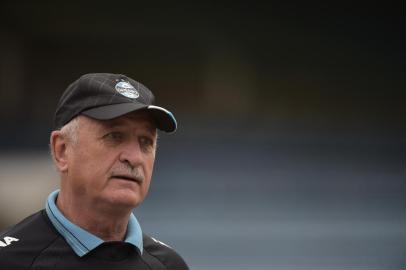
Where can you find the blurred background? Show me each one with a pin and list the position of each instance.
(291, 146)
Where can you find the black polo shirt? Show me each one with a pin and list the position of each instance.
(35, 244)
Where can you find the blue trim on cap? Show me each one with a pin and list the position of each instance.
(82, 241)
(168, 113)
(174, 119)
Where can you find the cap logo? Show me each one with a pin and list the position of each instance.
(127, 90)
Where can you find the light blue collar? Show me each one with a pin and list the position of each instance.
(82, 241)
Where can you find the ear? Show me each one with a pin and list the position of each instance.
(59, 150)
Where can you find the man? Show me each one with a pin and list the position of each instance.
(103, 147)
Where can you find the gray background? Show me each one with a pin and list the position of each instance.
(291, 146)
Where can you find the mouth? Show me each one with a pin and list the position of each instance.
(127, 178)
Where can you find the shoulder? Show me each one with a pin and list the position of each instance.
(34, 227)
(165, 254)
(21, 243)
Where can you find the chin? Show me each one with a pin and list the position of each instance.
(125, 199)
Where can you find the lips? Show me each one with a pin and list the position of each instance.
(127, 178)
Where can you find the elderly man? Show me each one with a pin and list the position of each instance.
(103, 147)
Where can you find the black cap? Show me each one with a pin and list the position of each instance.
(106, 96)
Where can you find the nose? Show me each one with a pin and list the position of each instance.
(131, 154)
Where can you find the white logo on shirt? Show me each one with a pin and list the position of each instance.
(7, 241)
(159, 242)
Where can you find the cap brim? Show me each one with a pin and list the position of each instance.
(164, 119)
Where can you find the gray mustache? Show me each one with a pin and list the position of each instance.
(124, 169)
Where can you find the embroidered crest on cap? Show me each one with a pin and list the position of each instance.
(127, 90)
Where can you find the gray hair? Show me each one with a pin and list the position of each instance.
(70, 132)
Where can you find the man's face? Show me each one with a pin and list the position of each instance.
(112, 161)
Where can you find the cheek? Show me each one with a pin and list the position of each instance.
(149, 167)
(90, 168)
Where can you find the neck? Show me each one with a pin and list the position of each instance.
(107, 225)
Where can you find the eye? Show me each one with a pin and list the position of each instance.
(114, 136)
(146, 142)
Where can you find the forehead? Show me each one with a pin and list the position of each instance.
(139, 119)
